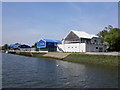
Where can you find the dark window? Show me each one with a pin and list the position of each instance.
(96, 47)
(72, 47)
(95, 41)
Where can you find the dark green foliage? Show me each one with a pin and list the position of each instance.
(108, 27)
(113, 39)
(111, 36)
(102, 35)
(35, 45)
(5, 47)
(17, 44)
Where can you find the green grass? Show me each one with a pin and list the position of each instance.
(31, 54)
(39, 55)
(107, 60)
(93, 59)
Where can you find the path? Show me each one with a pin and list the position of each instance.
(57, 55)
(104, 53)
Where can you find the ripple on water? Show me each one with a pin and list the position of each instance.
(23, 72)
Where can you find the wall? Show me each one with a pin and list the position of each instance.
(95, 48)
(98, 41)
(41, 43)
(81, 47)
(72, 47)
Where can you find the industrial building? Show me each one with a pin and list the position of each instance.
(79, 41)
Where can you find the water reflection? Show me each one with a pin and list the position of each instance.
(21, 71)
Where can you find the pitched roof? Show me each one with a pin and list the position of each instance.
(82, 34)
(13, 46)
(52, 41)
(18, 46)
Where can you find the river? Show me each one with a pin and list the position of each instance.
(28, 72)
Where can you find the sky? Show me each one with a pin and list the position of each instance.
(28, 22)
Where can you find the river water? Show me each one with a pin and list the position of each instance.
(28, 72)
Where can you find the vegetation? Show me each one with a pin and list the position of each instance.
(5, 47)
(39, 55)
(106, 60)
(93, 59)
(111, 36)
(35, 45)
(17, 44)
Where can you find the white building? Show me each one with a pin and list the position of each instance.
(79, 41)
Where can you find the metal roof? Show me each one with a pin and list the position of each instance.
(82, 34)
(53, 41)
(24, 46)
(13, 46)
(18, 46)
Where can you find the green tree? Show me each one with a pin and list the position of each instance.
(5, 47)
(109, 27)
(102, 35)
(17, 44)
(113, 39)
(35, 45)
(104, 32)
(111, 36)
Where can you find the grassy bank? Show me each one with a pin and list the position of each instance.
(107, 60)
(93, 59)
(38, 55)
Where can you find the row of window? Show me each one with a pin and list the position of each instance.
(72, 47)
(76, 47)
(99, 48)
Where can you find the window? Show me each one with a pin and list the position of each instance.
(95, 41)
(42, 43)
(55, 44)
(96, 47)
(68, 47)
(75, 47)
(72, 47)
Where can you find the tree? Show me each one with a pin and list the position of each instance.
(102, 35)
(104, 32)
(17, 44)
(5, 47)
(109, 27)
(111, 36)
(113, 39)
(35, 45)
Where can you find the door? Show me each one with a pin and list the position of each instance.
(100, 49)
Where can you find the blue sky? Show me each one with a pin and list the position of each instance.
(28, 22)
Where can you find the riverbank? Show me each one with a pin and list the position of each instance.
(107, 60)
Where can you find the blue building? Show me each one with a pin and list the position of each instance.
(48, 45)
(13, 46)
(18, 47)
